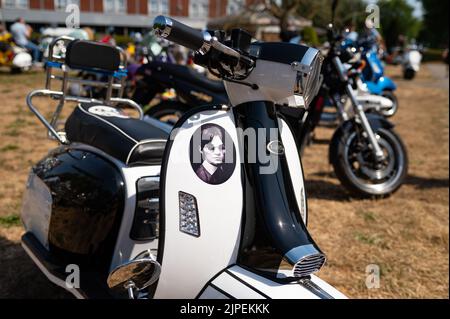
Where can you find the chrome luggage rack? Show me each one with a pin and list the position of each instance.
(114, 85)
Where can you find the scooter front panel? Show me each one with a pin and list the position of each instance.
(197, 245)
(295, 168)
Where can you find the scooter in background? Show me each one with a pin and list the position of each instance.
(200, 212)
(16, 58)
(411, 61)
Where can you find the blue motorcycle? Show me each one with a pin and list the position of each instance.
(372, 74)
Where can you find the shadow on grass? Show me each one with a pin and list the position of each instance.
(21, 278)
(427, 183)
(320, 189)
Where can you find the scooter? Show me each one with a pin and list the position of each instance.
(411, 62)
(214, 209)
(16, 58)
(368, 156)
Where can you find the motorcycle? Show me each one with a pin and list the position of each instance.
(16, 58)
(372, 76)
(368, 156)
(215, 208)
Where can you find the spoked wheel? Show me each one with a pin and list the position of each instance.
(392, 110)
(167, 112)
(357, 169)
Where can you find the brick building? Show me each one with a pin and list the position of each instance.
(124, 14)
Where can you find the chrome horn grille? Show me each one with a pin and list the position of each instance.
(309, 265)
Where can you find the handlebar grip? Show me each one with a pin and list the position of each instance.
(182, 34)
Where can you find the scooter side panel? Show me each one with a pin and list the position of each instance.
(295, 167)
(189, 261)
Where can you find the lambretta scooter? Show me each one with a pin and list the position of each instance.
(205, 212)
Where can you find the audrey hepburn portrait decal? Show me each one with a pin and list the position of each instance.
(212, 154)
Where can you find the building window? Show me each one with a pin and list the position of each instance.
(62, 4)
(199, 8)
(158, 7)
(114, 6)
(15, 4)
(234, 6)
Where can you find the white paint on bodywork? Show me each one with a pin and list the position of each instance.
(189, 262)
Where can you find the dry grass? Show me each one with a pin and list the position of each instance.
(406, 234)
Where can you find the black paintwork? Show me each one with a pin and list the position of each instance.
(275, 225)
(188, 83)
(92, 283)
(146, 218)
(88, 200)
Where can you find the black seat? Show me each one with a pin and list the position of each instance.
(188, 74)
(132, 141)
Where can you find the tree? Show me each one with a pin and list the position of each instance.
(435, 23)
(396, 18)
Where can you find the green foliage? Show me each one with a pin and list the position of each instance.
(310, 36)
(10, 220)
(432, 55)
(9, 147)
(348, 12)
(435, 23)
(396, 18)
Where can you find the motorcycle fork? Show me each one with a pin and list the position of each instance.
(361, 115)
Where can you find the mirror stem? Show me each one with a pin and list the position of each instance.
(130, 287)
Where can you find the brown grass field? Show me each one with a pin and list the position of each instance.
(406, 235)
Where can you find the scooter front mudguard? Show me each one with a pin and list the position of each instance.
(238, 283)
(383, 84)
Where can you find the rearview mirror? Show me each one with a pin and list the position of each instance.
(134, 275)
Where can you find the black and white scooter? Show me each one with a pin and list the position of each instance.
(214, 209)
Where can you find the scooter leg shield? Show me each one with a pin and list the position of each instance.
(201, 202)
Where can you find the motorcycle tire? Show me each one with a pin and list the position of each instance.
(391, 96)
(354, 164)
(168, 111)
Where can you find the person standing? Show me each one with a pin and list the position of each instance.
(21, 33)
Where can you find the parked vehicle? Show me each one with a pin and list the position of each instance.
(373, 79)
(411, 61)
(367, 155)
(126, 203)
(16, 58)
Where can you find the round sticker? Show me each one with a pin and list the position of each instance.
(212, 153)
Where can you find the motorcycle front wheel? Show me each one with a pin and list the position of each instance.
(356, 168)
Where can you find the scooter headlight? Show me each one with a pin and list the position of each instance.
(308, 75)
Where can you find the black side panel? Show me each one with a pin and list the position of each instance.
(88, 200)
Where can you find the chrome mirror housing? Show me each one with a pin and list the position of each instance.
(134, 275)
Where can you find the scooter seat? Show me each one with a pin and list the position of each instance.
(132, 141)
(189, 75)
